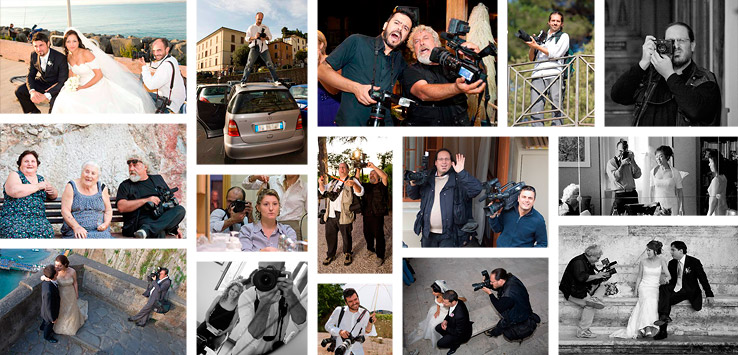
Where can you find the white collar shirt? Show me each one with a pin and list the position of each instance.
(556, 49)
(254, 30)
(293, 201)
(161, 80)
(347, 322)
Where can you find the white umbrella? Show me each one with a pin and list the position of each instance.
(373, 296)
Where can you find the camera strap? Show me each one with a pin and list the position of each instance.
(282, 313)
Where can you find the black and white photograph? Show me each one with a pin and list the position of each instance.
(669, 63)
(252, 308)
(647, 289)
(652, 176)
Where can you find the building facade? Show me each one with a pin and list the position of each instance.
(281, 53)
(297, 42)
(215, 50)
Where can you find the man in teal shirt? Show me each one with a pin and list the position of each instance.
(522, 225)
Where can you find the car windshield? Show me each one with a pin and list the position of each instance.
(214, 90)
(261, 101)
(299, 92)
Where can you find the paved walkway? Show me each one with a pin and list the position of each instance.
(372, 346)
(459, 274)
(8, 101)
(364, 262)
(106, 331)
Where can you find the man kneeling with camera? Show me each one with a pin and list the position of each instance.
(148, 205)
(512, 303)
(166, 79)
(156, 291)
(439, 91)
(349, 326)
(233, 217)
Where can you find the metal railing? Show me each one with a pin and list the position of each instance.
(576, 106)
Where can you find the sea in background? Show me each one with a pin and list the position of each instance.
(168, 20)
(9, 279)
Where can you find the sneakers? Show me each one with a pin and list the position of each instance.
(140, 234)
(328, 260)
(585, 334)
(595, 303)
(349, 259)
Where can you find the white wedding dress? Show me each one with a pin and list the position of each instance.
(646, 309)
(427, 328)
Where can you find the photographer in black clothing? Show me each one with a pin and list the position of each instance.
(513, 304)
(667, 86)
(441, 96)
(579, 284)
(139, 217)
(374, 208)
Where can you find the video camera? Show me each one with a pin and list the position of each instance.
(608, 267)
(470, 70)
(486, 283)
(167, 201)
(385, 100)
(265, 278)
(525, 37)
(419, 177)
(664, 46)
(502, 196)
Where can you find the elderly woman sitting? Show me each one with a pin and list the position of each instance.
(86, 206)
(569, 203)
(23, 214)
(264, 234)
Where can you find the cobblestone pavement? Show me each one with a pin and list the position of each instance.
(364, 261)
(106, 331)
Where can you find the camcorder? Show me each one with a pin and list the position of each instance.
(167, 201)
(265, 279)
(525, 37)
(239, 206)
(501, 196)
(665, 46)
(471, 70)
(486, 283)
(418, 177)
(385, 100)
(608, 267)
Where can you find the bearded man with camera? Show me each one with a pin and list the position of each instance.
(623, 170)
(343, 202)
(235, 215)
(349, 326)
(147, 203)
(667, 87)
(166, 79)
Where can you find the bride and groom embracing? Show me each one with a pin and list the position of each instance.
(62, 311)
(82, 80)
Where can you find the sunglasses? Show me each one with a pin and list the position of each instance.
(133, 161)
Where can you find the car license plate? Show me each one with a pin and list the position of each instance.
(269, 127)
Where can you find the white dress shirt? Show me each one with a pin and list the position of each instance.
(678, 285)
(255, 30)
(555, 49)
(161, 80)
(44, 62)
(347, 322)
(292, 202)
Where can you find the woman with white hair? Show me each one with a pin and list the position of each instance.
(569, 203)
(86, 206)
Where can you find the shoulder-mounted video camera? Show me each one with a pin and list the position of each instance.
(470, 69)
(385, 100)
(501, 196)
(419, 178)
(167, 201)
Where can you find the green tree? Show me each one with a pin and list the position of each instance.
(301, 55)
(330, 296)
(241, 55)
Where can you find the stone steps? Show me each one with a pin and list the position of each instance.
(674, 344)
(85, 344)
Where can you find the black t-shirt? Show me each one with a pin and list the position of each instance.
(375, 199)
(129, 190)
(432, 113)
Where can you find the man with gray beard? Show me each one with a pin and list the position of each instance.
(440, 96)
(134, 193)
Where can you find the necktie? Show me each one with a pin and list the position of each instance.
(679, 278)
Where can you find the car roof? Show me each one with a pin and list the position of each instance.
(259, 87)
(211, 85)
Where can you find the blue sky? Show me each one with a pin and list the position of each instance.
(81, 2)
(239, 15)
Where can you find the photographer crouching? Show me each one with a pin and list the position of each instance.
(156, 292)
(349, 326)
(512, 303)
(148, 205)
(439, 90)
(166, 79)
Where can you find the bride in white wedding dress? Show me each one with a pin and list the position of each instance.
(102, 84)
(436, 314)
(650, 273)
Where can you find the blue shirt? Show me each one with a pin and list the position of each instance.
(526, 231)
(253, 238)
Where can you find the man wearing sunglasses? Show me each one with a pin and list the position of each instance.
(667, 86)
(139, 219)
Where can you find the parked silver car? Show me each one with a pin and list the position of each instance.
(262, 120)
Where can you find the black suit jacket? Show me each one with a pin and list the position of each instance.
(159, 289)
(49, 301)
(459, 325)
(693, 274)
(54, 76)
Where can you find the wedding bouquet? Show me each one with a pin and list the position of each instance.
(72, 83)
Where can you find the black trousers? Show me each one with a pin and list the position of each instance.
(167, 223)
(332, 227)
(448, 340)
(436, 240)
(622, 199)
(668, 298)
(25, 99)
(48, 329)
(208, 339)
(374, 231)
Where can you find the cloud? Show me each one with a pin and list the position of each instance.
(271, 9)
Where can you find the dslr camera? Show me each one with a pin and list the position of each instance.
(262, 35)
(385, 100)
(238, 206)
(162, 104)
(265, 279)
(664, 46)
(167, 201)
(329, 344)
(155, 272)
(470, 70)
(341, 349)
(143, 53)
(419, 177)
(501, 196)
(486, 283)
(525, 37)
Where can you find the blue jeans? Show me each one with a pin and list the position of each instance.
(253, 55)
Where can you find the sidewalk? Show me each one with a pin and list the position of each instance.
(364, 262)
(8, 101)
(106, 331)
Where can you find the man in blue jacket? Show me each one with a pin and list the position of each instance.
(440, 217)
(522, 225)
(513, 304)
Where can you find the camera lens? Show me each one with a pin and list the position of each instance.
(265, 280)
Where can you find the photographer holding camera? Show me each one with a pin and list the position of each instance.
(167, 79)
(553, 44)
(522, 225)
(156, 291)
(667, 87)
(368, 64)
(258, 35)
(445, 203)
(580, 286)
(623, 170)
(441, 96)
(269, 307)
(147, 213)
(349, 326)
(235, 215)
(339, 215)
(517, 320)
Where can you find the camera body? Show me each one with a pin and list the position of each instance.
(502, 196)
(238, 206)
(329, 344)
(262, 35)
(155, 272)
(385, 100)
(343, 347)
(265, 279)
(664, 46)
(143, 53)
(525, 37)
(419, 177)
(470, 70)
(457, 66)
(162, 104)
(486, 283)
(608, 267)
(167, 201)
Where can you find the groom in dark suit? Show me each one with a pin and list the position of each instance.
(156, 292)
(49, 304)
(46, 75)
(456, 328)
(686, 272)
